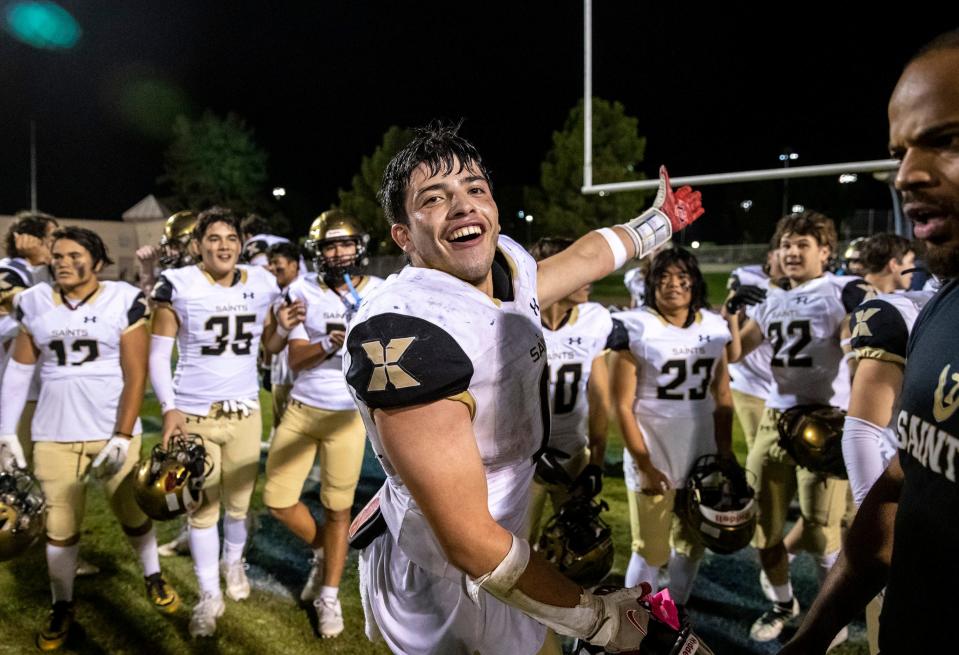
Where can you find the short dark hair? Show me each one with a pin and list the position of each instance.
(88, 239)
(284, 249)
(686, 260)
(549, 246)
(438, 146)
(27, 222)
(216, 214)
(255, 224)
(808, 223)
(876, 251)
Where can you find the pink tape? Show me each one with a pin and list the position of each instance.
(662, 607)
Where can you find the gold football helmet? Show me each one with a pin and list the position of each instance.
(812, 435)
(578, 542)
(170, 482)
(720, 504)
(175, 242)
(331, 226)
(22, 512)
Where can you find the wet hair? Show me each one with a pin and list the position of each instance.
(549, 246)
(27, 222)
(687, 261)
(284, 249)
(876, 251)
(89, 239)
(255, 224)
(808, 223)
(208, 217)
(438, 146)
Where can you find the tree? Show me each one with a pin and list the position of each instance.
(215, 161)
(361, 201)
(559, 207)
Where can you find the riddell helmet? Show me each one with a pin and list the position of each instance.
(22, 512)
(720, 504)
(578, 542)
(175, 242)
(331, 226)
(170, 483)
(812, 435)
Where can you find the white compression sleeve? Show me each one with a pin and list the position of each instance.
(861, 449)
(13, 394)
(649, 230)
(161, 377)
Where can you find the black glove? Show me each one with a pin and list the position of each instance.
(747, 294)
(550, 470)
(589, 482)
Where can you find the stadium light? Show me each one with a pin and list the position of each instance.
(746, 205)
(848, 178)
(279, 192)
(798, 209)
(695, 245)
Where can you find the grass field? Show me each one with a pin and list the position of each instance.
(116, 618)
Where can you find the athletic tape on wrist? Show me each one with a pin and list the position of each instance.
(649, 230)
(616, 245)
(282, 331)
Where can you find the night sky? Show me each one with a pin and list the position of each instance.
(715, 88)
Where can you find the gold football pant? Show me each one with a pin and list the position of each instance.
(655, 528)
(339, 437)
(777, 478)
(62, 467)
(749, 411)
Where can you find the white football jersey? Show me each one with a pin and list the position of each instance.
(219, 334)
(636, 285)
(280, 372)
(571, 349)
(674, 402)
(803, 325)
(752, 375)
(880, 330)
(16, 274)
(79, 361)
(324, 385)
(424, 335)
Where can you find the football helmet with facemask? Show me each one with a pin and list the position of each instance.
(578, 542)
(22, 511)
(170, 482)
(720, 504)
(175, 242)
(812, 435)
(330, 227)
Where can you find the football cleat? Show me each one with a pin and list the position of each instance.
(205, 614)
(161, 594)
(770, 625)
(170, 482)
(57, 630)
(329, 615)
(311, 590)
(22, 512)
(237, 584)
(179, 545)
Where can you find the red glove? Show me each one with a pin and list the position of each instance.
(682, 206)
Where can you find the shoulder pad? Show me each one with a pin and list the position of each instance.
(12, 282)
(163, 290)
(139, 309)
(855, 292)
(879, 332)
(618, 338)
(398, 360)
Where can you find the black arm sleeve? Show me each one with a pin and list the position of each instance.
(162, 290)
(879, 331)
(854, 293)
(398, 360)
(140, 309)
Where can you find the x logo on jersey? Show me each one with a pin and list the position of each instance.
(862, 318)
(386, 364)
(245, 295)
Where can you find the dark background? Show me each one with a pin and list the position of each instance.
(722, 87)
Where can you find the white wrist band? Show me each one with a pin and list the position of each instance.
(616, 245)
(282, 331)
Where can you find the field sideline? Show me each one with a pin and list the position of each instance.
(116, 618)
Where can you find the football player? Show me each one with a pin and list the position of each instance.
(321, 420)
(635, 281)
(445, 360)
(257, 241)
(914, 502)
(215, 311)
(284, 263)
(90, 340)
(672, 397)
(803, 323)
(578, 334)
(176, 249)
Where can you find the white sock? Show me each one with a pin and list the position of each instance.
(640, 571)
(234, 538)
(145, 546)
(205, 548)
(783, 593)
(824, 564)
(329, 593)
(682, 573)
(62, 567)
